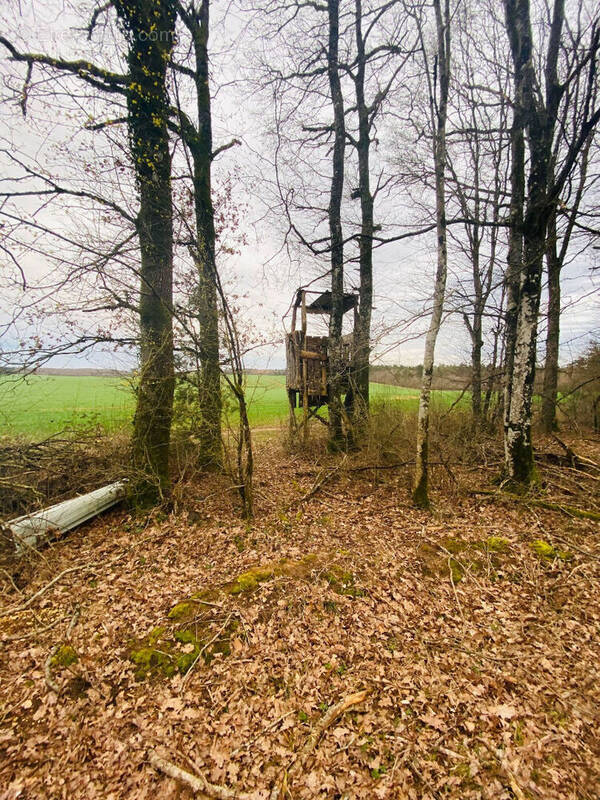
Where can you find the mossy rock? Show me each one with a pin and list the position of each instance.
(64, 656)
(548, 552)
(151, 661)
(456, 571)
(453, 545)
(250, 580)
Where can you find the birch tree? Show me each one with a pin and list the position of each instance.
(438, 81)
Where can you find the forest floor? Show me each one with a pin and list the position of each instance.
(474, 630)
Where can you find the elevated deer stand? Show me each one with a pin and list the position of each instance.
(308, 369)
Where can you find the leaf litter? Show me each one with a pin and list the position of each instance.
(478, 648)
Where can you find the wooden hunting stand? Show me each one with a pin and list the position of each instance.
(308, 368)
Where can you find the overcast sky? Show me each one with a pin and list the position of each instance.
(265, 273)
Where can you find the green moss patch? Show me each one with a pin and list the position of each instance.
(343, 582)
(250, 580)
(548, 552)
(436, 563)
(64, 656)
(452, 557)
(497, 544)
(187, 636)
(163, 653)
(183, 610)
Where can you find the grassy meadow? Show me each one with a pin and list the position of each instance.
(41, 405)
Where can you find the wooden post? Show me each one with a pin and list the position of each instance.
(294, 309)
(292, 420)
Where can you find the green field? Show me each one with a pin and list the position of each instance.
(46, 404)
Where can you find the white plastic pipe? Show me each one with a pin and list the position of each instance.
(29, 530)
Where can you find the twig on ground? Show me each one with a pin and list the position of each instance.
(280, 787)
(18, 637)
(11, 581)
(197, 783)
(204, 649)
(460, 611)
(45, 588)
(321, 480)
(262, 733)
(50, 682)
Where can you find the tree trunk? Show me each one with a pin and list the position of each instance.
(439, 111)
(515, 242)
(362, 331)
(539, 119)
(553, 266)
(148, 110)
(335, 232)
(208, 314)
(555, 258)
(520, 466)
(476, 348)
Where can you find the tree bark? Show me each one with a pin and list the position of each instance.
(362, 331)
(148, 110)
(555, 258)
(515, 240)
(553, 267)
(539, 119)
(335, 232)
(439, 112)
(210, 449)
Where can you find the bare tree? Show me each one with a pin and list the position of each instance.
(538, 111)
(477, 162)
(438, 79)
(144, 87)
(197, 136)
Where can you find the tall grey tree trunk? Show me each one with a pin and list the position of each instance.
(553, 268)
(439, 112)
(148, 111)
(555, 257)
(520, 466)
(539, 120)
(208, 312)
(515, 240)
(362, 331)
(335, 232)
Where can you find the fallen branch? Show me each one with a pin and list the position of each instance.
(19, 636)
(197, 783)
(89, 566)
(325, 722)
(577, 461)
(24, 606)
(320, 482)
(569, 511)
(204, 649)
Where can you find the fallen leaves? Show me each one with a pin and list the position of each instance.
(503, 702)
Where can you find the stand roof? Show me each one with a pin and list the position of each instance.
(322, 303)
